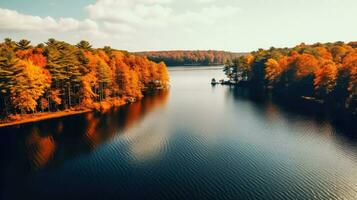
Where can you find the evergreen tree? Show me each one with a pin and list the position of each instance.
(65, 68)
(85, 45)
(104, 77)
(23, 44)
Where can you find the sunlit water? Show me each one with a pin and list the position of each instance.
(193, 142)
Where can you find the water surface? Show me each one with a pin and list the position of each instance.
(193, 142)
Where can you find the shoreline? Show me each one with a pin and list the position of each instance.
(101, 107)
(31, 118)
(341, 115)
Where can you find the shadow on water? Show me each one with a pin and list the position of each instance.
(25, 149)
(344, 125)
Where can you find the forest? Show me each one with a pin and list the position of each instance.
(196, 58)
(323, 73)
(56, 76)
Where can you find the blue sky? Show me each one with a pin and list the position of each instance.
(136, 25)
(55, 8)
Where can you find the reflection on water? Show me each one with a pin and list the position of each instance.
(40, 149)
(54, 141)
(195, 142)
(314, 114)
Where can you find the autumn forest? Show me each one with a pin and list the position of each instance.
(323, 73)
(57, 76)
(181, 58)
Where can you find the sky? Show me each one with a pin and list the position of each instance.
(143, 25)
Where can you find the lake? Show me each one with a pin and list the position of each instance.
(195, 141)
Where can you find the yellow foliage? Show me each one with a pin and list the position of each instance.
(31, 85)
(55, 97)
(272, 70)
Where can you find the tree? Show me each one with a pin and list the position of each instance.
(57, 75)
(304, 65)
(163, 74)
(85, 45)
(37, 58)
(89, 81)
(9, 69)
(350, 64)
(325, 78)
(35, 55)
(319, 71)
(177, 58)
(29, 85)
(272, 70)
(9, 43)
(23, 44)
(123, 79)
(103, 76)
(65, 68)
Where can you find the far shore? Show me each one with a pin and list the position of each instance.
(29, 118)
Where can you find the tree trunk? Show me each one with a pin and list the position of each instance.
(69, 95)
(49, 104)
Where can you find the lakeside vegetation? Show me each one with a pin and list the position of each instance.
(322, 73)
(195, 58)
(57, 76)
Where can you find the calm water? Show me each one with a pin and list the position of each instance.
(193, 142)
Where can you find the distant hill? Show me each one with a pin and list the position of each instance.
(190, 58)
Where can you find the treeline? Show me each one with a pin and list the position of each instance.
(56, 76)
(180, 58)
(324, 73)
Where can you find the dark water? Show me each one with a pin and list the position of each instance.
(194, 142)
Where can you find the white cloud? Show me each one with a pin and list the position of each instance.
(208, 15)
(205, 1)
(11, 20)
(190, 24)
(117, 28)
(131, 15)
(123, 22)
(129, 11)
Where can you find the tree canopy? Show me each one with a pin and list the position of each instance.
(57, 75)
(180, 58)
(324, 72)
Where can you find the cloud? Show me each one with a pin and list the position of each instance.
(117, 28)
(205, 1)
(11, 20)
(125, 22)
(131, 15)
(129, 11)
(208, 15)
